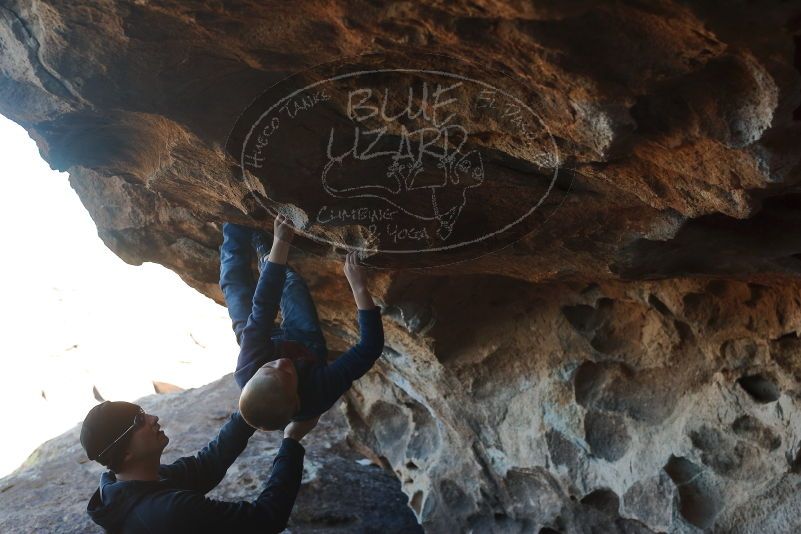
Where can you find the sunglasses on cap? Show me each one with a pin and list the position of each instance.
(138, 421)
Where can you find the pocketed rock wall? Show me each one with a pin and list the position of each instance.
(632, 365)
(666, 406)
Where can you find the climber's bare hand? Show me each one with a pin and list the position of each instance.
(283, 229)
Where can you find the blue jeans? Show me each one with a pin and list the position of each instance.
(300, 321)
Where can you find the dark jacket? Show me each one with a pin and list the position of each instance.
(177, 503)
(319, 384)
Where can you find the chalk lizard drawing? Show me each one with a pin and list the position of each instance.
(412, 186)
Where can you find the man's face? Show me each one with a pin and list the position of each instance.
(148, 440)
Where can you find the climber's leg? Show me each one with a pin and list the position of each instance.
(236, 279)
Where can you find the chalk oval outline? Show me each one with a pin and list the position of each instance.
(403, 70)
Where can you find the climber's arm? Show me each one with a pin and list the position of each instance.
(332, 381)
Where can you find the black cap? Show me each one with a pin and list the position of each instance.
(104, 423)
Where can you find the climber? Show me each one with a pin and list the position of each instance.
(139, 495)
(283, 371)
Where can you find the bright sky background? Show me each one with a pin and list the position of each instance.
(74, 316)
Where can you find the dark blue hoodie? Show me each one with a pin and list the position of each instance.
(177, 503)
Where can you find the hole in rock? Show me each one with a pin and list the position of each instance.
(604, 500)
(580, 317)
(697, 504)
(658, 305)
(416, 501)
(790, 336)
(717, 287)
(411, 465)
(794, 461)
(548, 530)
(562, 450)
(692, 302)
(684, 330)
(586, 381)
(606, 434)
(760, 388)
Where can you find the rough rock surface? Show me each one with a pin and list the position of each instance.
(633, 365)
(341, 492)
